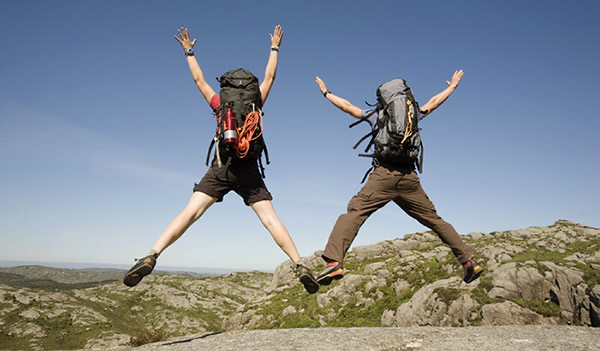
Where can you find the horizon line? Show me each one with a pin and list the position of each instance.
(86, 265)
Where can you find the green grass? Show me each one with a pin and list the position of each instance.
(448, 295)
(61, 333)
(426, 272)
(352, 316)
(8, 342)
(546, 309)
(291, 297)
(589, 247)
(147, 337)
(535, 254)
(591, 276)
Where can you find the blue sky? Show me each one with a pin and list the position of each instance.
(103, 132)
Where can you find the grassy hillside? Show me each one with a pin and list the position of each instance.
(110, 314)
(537, 275)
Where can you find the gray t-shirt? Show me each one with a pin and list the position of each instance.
(372, 118)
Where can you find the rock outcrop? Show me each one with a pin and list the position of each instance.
(538, 275)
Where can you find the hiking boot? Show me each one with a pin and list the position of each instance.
(333, 270)
(472, 270)
(306, 278)
(140, 269)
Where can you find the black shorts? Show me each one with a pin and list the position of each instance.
(241, 176)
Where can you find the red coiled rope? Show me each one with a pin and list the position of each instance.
(246, 134)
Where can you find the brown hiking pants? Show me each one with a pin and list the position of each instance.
(401, 185)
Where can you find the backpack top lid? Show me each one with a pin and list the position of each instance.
(237, 78)
(387, 91)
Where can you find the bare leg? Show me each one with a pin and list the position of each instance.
(199, 203)
(266, 213)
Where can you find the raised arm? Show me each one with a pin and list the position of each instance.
(438, 99)
(187, 45)
(339, 102)
(271, 70)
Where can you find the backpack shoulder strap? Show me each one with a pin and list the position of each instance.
(364, 118)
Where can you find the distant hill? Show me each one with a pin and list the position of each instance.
(49, 278)
(534, 276)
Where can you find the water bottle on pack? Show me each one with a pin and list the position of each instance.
(230, 128)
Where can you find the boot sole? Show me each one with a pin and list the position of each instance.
(475, 276)
(310, 284)
(326, 280)
(134, 277)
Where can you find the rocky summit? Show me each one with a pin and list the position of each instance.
(541, 276)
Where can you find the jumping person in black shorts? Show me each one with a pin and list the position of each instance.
(240, 175)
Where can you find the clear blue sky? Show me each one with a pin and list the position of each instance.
(103, 132)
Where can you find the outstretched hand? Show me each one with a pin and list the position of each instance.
(184, 38)
(276, 36)
(321, 85)
(456, 77)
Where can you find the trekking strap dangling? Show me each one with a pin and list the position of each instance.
(372, 133)
(212, 143)
(266, 152)
(366, 174)
(420, 163)
(262, 168)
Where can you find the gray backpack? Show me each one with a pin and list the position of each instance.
(395, 137)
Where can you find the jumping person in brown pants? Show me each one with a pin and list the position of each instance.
(391, 181)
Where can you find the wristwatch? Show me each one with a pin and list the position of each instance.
(189, 52)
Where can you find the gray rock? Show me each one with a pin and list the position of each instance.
(375, 283)
(370, 268)
(509, 313)
(461, 311)
(401, 286)
(475, 236)
(592, 232)
(383, 274)
(511, 282)
(283, 275)
(368, 251)
(595, 306)
(441, 253)
(430, 237)
(31, 313)
(323, 300)
(288, 310)
(564, 290)
(496, 338)
(521, 234)
(561, 236)
(426, 308)
(404, 253)
(595, 258)
(387, 318)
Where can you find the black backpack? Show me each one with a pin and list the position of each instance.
(395, 137)
(239, 92)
